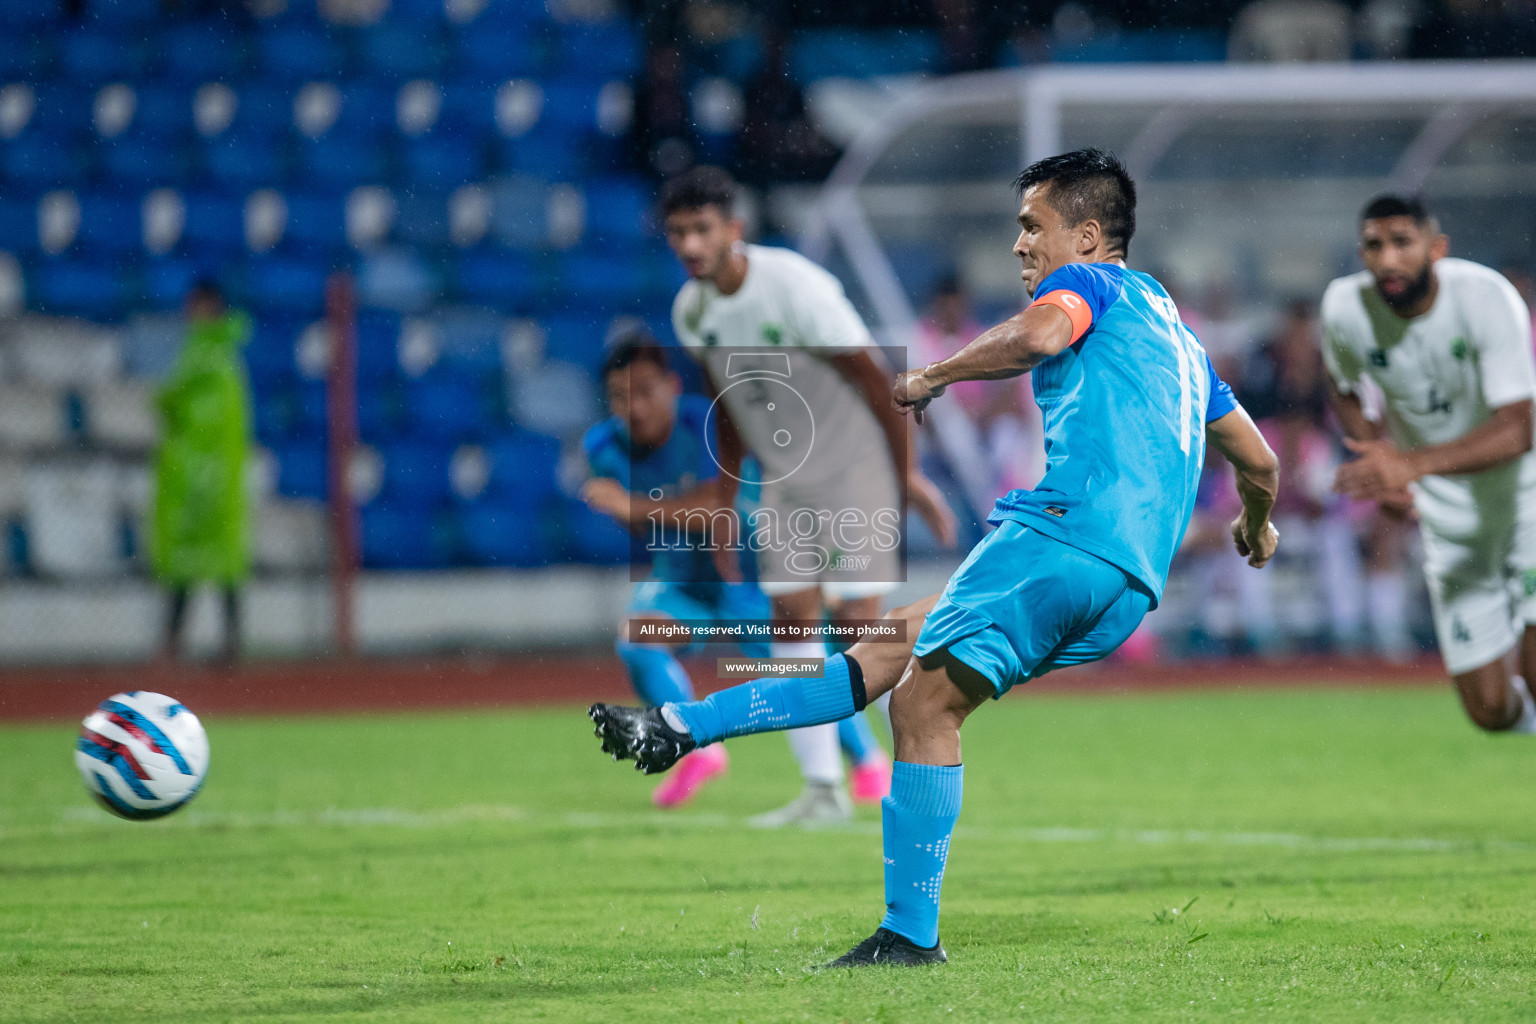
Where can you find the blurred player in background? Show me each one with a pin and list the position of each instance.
(199, 523)
(1130, 401)
(1449, 344)
(751, 296)
(651, 456)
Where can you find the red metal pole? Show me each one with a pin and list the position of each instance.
(341, 421)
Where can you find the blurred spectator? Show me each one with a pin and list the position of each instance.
(1005, 430)
(1291, 30)
(199, 524)
(778, 141)
(662, 135)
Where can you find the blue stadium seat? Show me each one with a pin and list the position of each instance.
(301, 468)
(165, 280)
(469, 107)
(441, 161)
(243, 159)
(89, 56)
(32, 14)
(470, 341)
(523, 469)
(20, 57)
(551, 152)
(73, 287)
(619, 210)
(35, 160)
(343, 160)
(199, 51)
(504, 49)
(401, 49)
(284, 283)
(264, 108)
(403, 537)
(572, 102)
(139, 159)
(269, 355)
(380, 411)
(367, 107)
(164, 110)
(215, 223)
(576, 337)
(450, 406)
(272, 413)
(18, 223)
(848, 53)
(115, 15)
(602, 278)
(601, 51)
(513, 536)
(498, 278)
(292, 52)
(594, 538)
(378, 336)
(110, 225)
(311, 412)
(316, 221)
(415, 472)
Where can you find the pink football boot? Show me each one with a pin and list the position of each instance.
(870, 782)
(695, 769)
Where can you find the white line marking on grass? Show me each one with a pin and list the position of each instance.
(364, 817)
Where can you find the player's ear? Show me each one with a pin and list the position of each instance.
(1089, 235)
(1439, 246)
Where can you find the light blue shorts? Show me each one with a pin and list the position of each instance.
(1023, 604)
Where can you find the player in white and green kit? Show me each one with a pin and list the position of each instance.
(1448, 342)
(799, 389)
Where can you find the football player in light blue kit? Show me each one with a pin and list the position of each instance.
(651, 454)
(1129, 401)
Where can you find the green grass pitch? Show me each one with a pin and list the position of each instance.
(1279, 855)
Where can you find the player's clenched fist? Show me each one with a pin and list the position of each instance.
(1255, 544)
(913, 391)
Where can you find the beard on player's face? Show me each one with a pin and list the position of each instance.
(1402, 291)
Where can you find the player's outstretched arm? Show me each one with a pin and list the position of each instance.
(1013, 347)
(1258, 482)
(1382, 469)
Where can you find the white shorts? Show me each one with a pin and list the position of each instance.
(1480, 565)
(842, 535)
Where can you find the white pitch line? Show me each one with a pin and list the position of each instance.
(364, 817)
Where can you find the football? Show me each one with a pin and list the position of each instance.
(142, 755)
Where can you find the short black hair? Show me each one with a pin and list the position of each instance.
(634, 346)
(697, 188)
(1088, 184)
(1389, 205)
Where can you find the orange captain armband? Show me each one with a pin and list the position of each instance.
(1072, 304)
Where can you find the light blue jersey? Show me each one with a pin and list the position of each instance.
(1076, 562)
(1125, 409)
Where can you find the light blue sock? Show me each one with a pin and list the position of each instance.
(767, 705)
(917, 819)
(656, 675)
(857, 738)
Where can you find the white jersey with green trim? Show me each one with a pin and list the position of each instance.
(801, 418)
(1441, 375)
